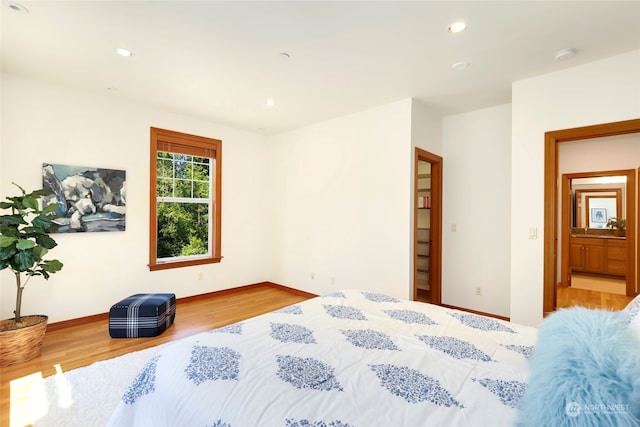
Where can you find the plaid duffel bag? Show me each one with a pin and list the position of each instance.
(142, 315)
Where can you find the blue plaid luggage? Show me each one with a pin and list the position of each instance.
(142, 315)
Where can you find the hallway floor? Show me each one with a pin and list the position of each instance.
(597, 283)
(569, 297)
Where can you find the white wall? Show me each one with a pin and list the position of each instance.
(600, 154)
(340, 196)
(476, 199)
(426, 129)
(45, 123)
(598, 92)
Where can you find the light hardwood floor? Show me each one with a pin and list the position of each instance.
(599, 283)
(81, 345)
(569, 297)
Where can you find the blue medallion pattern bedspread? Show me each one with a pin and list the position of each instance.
(347, 359)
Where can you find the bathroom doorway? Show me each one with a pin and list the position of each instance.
(552, 202)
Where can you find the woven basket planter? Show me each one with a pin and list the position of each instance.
(21, 345)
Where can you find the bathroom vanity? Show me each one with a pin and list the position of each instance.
(601, 254)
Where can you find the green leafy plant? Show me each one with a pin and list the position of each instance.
(617, 223)
(24, 239)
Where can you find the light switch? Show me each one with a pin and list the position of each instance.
(454, 227)
(533, 233)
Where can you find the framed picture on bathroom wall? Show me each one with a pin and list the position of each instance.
(90, 198)
(598, 215)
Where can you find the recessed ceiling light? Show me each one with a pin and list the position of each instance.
(457, 27)
(269, 102)
(284, 55)
(563, 54)
(124, 52)
(460, 65)
(18, 8)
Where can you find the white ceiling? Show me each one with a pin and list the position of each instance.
(220, 60)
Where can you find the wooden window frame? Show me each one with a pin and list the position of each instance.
(191, 145)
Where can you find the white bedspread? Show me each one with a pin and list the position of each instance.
(351, 358)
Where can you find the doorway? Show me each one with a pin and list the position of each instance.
(594, 268)
(590, 201)
(427, 227)
(551, 175)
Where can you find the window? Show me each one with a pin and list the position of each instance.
(184, 223)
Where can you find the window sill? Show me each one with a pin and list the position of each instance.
(185, 263)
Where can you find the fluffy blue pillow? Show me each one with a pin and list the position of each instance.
(585, 371)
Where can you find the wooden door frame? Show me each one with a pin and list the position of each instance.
(435, 251)
(629, 213)
(552, 141)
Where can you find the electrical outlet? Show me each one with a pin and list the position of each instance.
(313, 276)
(478, 291)
(333, 280)
(200, 276)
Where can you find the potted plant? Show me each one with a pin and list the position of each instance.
(619, 225)
(24, 241)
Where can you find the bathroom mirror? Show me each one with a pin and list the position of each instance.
(596, 200)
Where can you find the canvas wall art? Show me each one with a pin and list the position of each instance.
(91, 199)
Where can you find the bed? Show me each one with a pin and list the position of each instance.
(350, 358)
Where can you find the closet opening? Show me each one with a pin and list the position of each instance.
(427, 233)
